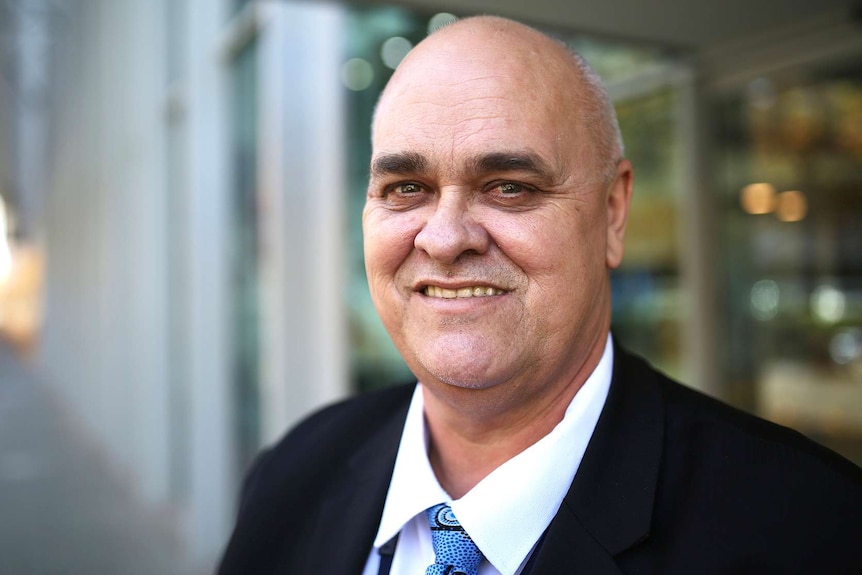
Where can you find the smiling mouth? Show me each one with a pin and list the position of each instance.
(465, 292)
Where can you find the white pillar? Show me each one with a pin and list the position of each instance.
(302, 188)
(144, 223)
(212, 488)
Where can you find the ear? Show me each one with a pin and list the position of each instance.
(618, 201)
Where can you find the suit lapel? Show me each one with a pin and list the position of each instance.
(351, 514)
(569, 548)
(608, 508)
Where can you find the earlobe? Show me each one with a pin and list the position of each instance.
(618, 201)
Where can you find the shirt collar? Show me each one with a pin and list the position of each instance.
(528, 488)
(414, 487)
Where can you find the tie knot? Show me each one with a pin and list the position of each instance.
(455, 552)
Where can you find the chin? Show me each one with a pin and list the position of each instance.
(466, 362)
(462, 383)
(460, 375)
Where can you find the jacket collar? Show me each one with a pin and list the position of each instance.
(351, 515)
(609, 507)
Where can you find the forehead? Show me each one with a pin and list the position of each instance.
(448, 105)
(455, 116)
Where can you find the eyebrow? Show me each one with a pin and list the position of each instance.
(520, 161)
(407, 163)
(399, 164)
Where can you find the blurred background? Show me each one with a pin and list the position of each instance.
(181, 273)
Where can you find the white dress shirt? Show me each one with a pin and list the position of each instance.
(506, 512)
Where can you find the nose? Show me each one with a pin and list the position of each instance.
(451, 230)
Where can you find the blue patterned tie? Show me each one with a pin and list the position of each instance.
(455, 552)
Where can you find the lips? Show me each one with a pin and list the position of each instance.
(462, 292)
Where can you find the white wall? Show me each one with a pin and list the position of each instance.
(302, 184)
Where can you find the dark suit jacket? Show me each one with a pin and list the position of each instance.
(671, 482)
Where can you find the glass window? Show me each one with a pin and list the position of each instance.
(649, 309)
(245, 268)
(790, 175)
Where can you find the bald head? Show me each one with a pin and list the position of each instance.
(510, 60)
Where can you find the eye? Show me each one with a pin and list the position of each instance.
(510, 188)
(404, 195)
(511, 195)
(407, 188)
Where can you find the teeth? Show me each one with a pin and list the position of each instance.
(475, 291)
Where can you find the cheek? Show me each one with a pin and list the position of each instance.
(541, 247)
(560, 257)
(388, 241)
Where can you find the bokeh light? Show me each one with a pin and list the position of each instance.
(439, 20)
(357, 74)
(765, 296)
(393, 51)
(828, 303)
(791, 206)
(758, 198)
(846, 346)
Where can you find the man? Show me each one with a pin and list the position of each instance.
(496, 207)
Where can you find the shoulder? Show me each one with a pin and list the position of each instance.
(756, 486)
(293, 488)
(348, 421)
(321, 443)
(716, 429)
(728, 434)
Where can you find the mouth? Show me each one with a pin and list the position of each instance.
(462, 292)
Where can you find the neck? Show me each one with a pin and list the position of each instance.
(474, 431)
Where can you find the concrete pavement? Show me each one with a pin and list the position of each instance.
(62, 510)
